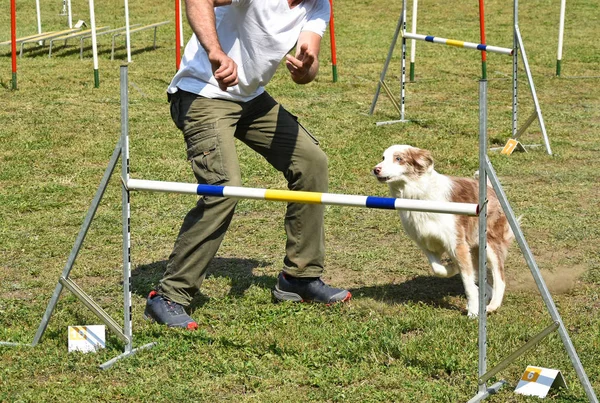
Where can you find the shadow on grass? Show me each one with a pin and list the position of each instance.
(240, 271)
(60, 50)
(428, 290)
(424, 289)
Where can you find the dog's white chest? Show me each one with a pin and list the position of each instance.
(431, 231)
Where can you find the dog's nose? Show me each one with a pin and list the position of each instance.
(377, 170)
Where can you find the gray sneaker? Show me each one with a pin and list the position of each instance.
(161, 310)
(298, 289)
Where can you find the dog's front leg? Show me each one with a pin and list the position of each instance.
(439, 270)
(464, 261)
(472, 292)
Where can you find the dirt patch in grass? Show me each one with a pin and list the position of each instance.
(561, 280)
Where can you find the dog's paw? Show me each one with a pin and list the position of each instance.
(473, 315)
(491, 308)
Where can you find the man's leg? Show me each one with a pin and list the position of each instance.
(208, 127)
(273, 132)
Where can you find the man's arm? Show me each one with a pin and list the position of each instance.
(304, 66)
(201, 16)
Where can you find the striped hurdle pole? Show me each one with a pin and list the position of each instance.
(178, 33)
(292, 196)
(460, 44)
(561, 33)
(332, 40)
(13, 41)
(482, 36)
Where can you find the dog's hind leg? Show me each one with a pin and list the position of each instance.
(488, 285)
(496, 264)
(467, 273)
(439, 270)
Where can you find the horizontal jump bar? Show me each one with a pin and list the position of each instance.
(293, 196)
(460, 44)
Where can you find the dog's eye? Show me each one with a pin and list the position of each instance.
(398, 159)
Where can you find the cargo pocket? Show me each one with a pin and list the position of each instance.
(205, 155)
(304, 129)
(312, 137)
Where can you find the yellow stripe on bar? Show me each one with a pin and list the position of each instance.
(453, 42)
(293, 196)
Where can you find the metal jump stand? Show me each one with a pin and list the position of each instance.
(123, 333)
(486, 170)
(517, 44)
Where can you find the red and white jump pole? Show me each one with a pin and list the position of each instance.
(178, 34)
(332, 40)
(482, 34)
(13, 41)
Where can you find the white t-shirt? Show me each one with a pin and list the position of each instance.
(256, 34)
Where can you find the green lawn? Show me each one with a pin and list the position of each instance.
(404, 336)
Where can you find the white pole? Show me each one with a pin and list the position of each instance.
(126, 211)
(561, 32)
(70, 13)
(39, 18)
(413, 43)
(127, 32)
(180, 26)
(94, 45)
(237, 192)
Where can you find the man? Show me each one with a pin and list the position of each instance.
(218, 96)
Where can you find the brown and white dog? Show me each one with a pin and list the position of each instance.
(409, 173)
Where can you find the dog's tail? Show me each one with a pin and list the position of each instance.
(509, 235)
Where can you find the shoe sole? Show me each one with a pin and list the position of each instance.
(282, 296)
(188, 326)
(149, 318)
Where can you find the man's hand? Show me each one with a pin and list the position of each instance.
(300, 66)
(224, 70)
(201, 16)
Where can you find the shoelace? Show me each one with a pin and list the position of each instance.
(172, 307)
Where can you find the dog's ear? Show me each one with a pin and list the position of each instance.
(423, 160)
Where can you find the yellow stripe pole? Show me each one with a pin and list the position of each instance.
(453, 42)
(293, 196)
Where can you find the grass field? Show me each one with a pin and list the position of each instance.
(404, 336)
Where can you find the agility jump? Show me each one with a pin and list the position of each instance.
(401, 32)
(517, 45)
(459, 44)
(413, 45)
(292, 196)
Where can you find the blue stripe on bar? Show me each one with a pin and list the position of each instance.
(381, 202)
(210, 190)
(429, 38)
(481, 47)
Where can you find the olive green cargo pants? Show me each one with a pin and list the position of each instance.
(210, 127)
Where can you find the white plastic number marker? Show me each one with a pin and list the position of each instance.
(87, 338)
(537, 381)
